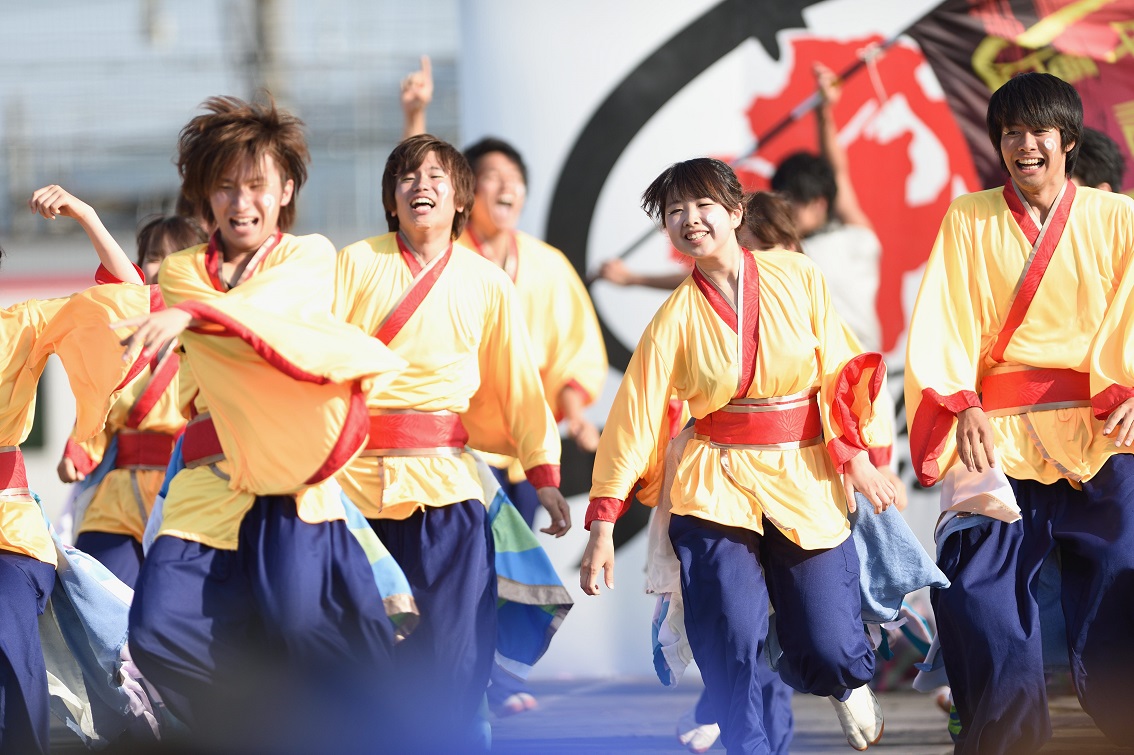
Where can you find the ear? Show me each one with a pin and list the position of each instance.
(288, 191)
(1105, 186)
(1068, 147)
(736, 216)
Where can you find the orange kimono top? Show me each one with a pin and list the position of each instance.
(283, 383)
(77, 330)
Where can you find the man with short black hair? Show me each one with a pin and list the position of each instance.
(1018, 340)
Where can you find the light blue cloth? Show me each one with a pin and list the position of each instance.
(892, 562)
(89, 611)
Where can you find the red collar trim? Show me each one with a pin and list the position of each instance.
(750, 306)
(511, 259)
(214, 259)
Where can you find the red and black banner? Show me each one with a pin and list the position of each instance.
(974, 46)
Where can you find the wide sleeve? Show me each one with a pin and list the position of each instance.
(284, 313)
(852, 382)
(637, 430)
(943, 350)
(576, 356)
(510, 399)
(1112, 353)
(91, 353)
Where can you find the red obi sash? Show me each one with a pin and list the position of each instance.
(764, 424)
(201, 445)
(143, 450)
(13, 475)
(1016, 391)
(406, 432)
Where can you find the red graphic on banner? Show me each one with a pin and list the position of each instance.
(880, 162)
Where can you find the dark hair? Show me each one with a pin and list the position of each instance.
(490, 144)
(1037, 100)
(769, 218)
(693, 179)
(237, 130)
(168, 234)
(1099, 161)
(409, 155)
(803, 177)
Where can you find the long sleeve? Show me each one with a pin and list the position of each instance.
(943, 352)
(637, 430)
(1112, 353)
(852, 381)
(510, 399)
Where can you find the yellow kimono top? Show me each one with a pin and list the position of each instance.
(76, 330)
(564, 331)
(123, 500)
(789, 341)
(284, 382)
(1080, 319)
(468, 353)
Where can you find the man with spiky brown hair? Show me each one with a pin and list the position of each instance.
(256, 611)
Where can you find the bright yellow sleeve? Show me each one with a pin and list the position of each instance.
(573, 343)
(637, 430)
(509, 413)
(91, 353)
(943, 350)
(1112, 353)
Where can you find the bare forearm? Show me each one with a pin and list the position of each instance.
(110, 254)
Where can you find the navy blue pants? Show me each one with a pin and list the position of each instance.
(775, 695)
(282, 645)
(989, 619)
(443, 666)
(25, 586)
(728, 575)
(121, 554)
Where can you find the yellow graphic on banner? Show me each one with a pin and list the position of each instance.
(1124, 114)
(1044, 58)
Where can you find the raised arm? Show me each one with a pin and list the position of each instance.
(53, 201)
(417, 93)
(846, 200)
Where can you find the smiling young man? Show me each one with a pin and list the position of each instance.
(472, 379)
(1017, 360)
(256, 613)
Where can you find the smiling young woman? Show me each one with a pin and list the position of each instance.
(751, 342)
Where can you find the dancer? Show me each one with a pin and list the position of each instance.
(140, 429)
(76, 330)
(776, 514)
(453, 316)
(256, 613)
(1026, 300)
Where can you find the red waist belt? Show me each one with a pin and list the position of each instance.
(1029, 390)
(13, 475)
(398, 432)
(201, 445)
(764, 424)
(143, 450)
